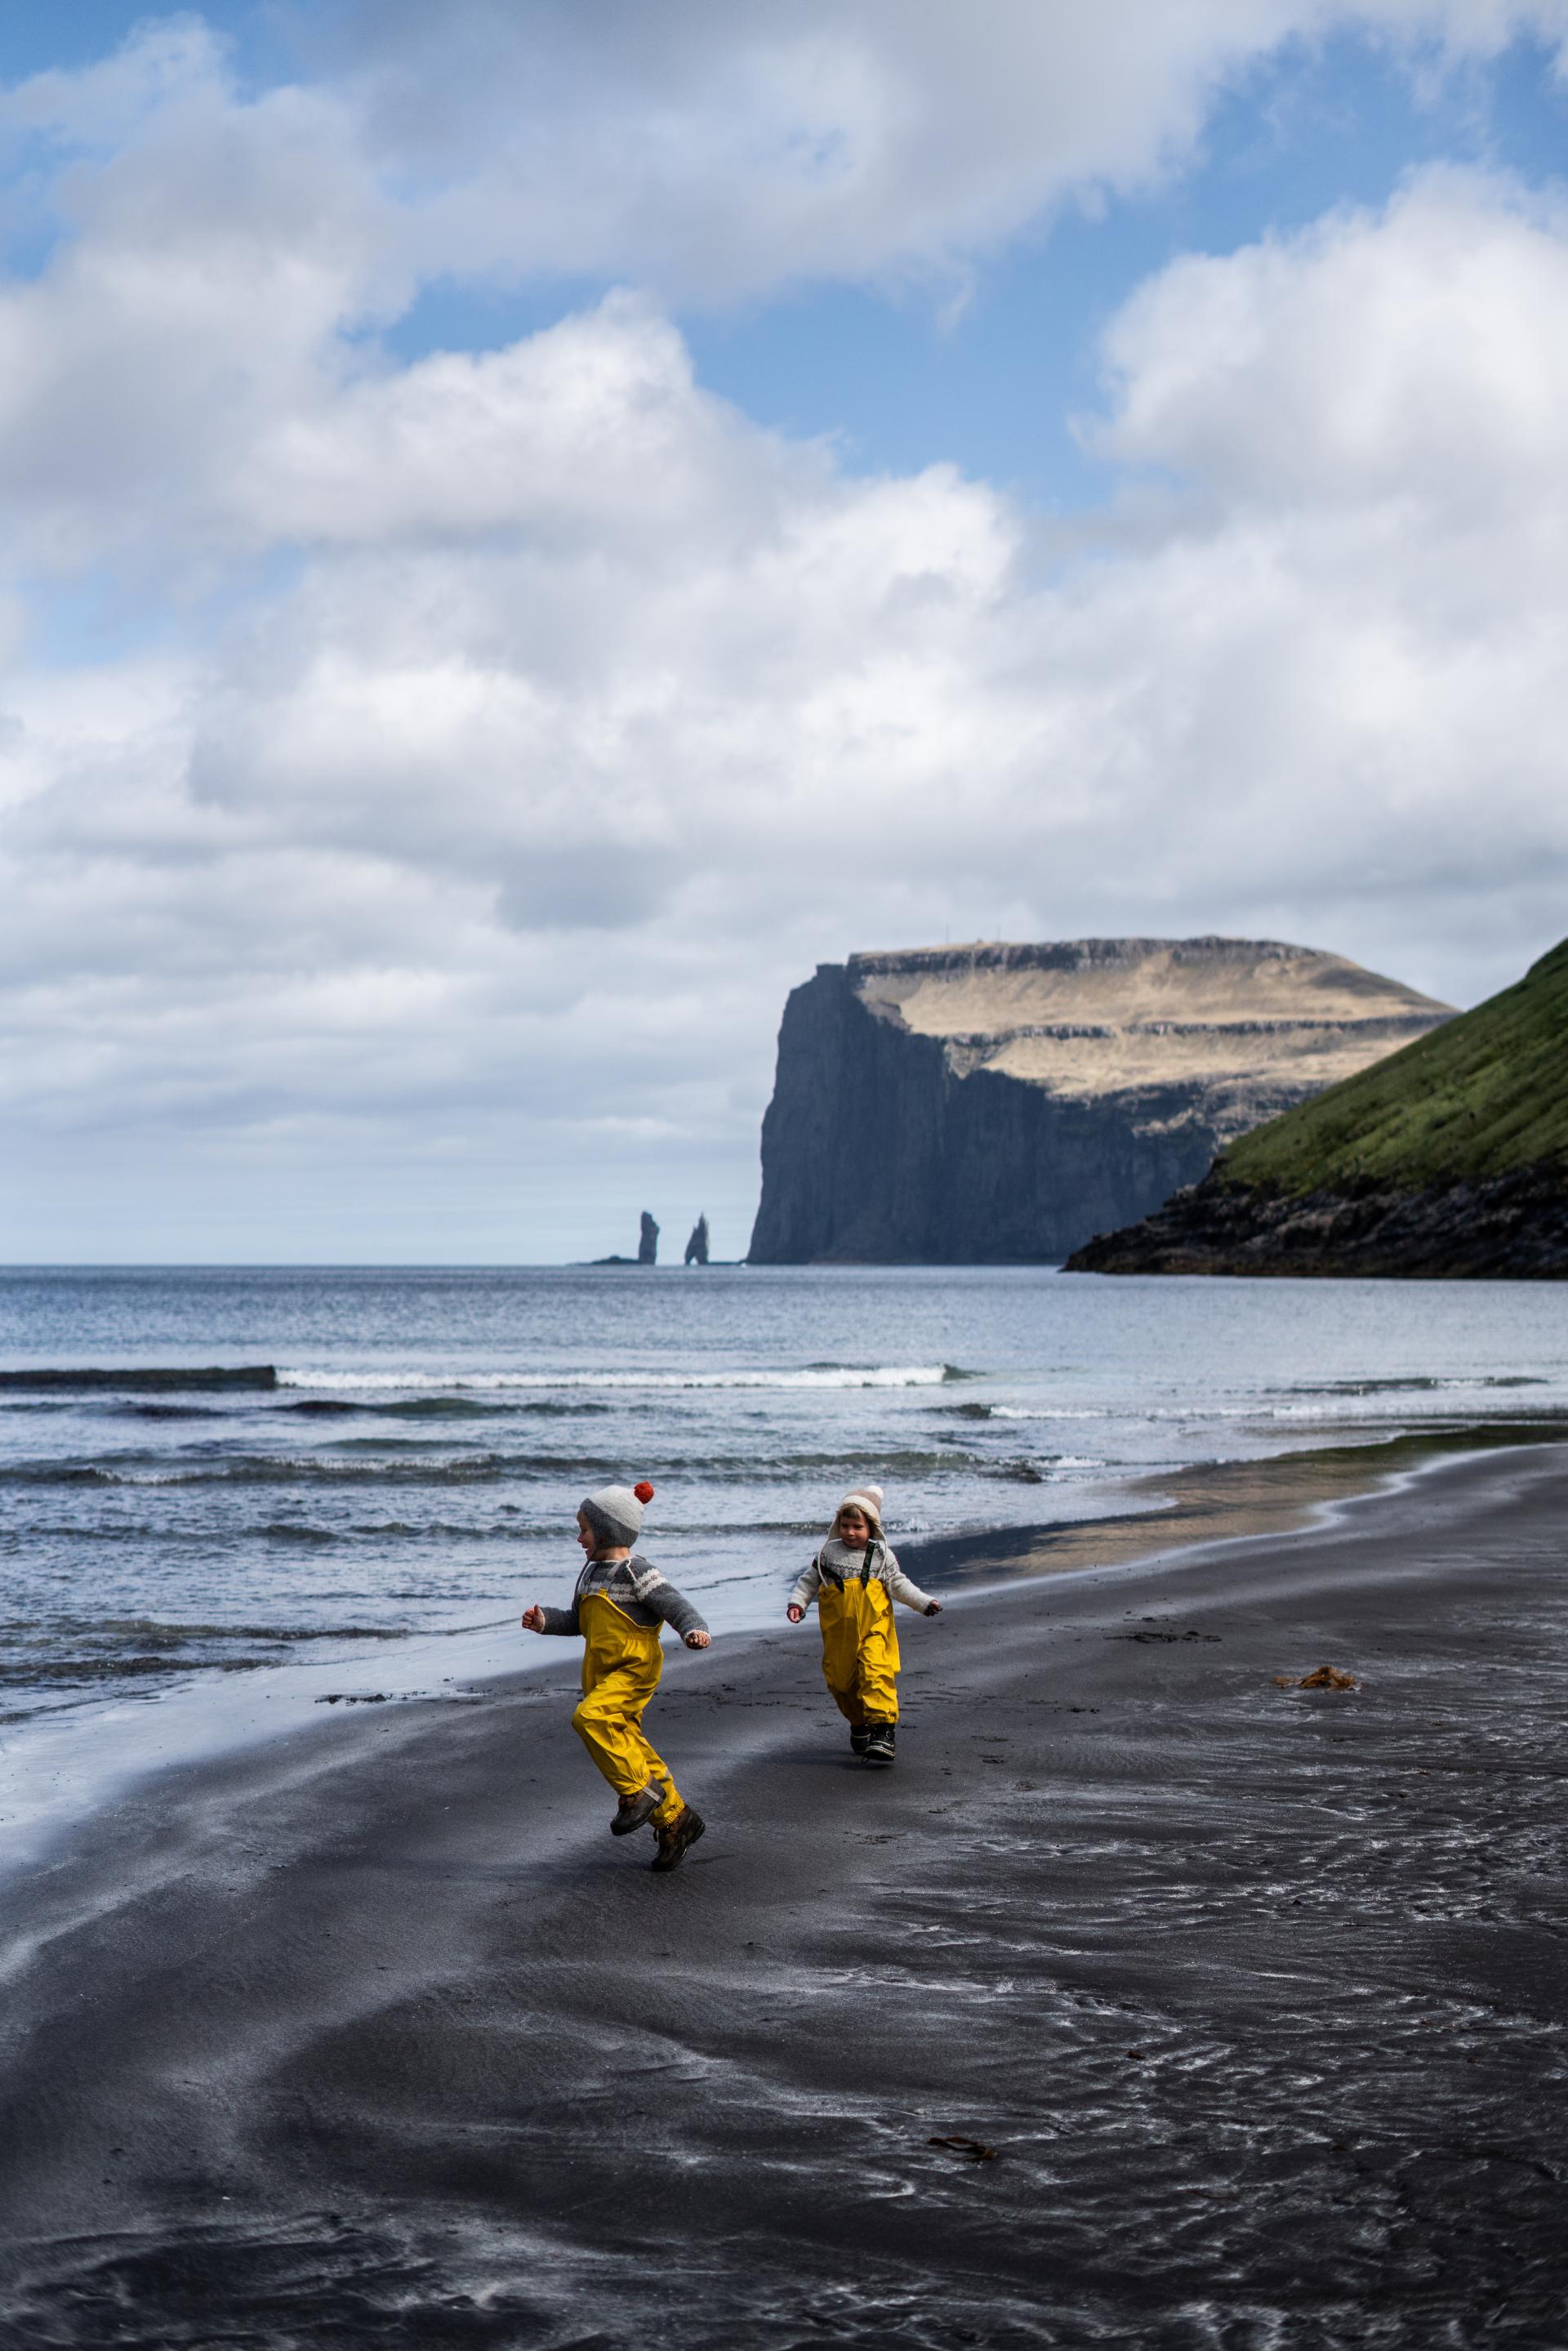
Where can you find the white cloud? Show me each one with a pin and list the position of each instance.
(1425, 357)
(1370, 424)
(713, 151)
(639, 691)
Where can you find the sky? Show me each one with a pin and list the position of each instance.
(525, 526)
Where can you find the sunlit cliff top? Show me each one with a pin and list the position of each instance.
(1087, 1016)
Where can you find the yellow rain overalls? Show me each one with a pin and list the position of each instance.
(859, 1645)
(622, 1666)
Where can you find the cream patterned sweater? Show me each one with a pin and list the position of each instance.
(836, 1564)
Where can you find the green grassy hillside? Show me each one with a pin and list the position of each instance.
(1479, 1097)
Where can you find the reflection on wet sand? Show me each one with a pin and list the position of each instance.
(1220, 1501)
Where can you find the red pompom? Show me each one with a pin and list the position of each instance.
(643, 1491)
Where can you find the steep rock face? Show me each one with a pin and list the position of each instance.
(998, 1104)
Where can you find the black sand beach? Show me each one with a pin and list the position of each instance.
(374, 2036)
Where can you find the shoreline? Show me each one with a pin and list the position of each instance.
(54, 1775)
(1256, 1993)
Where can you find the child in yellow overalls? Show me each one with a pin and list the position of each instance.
(854, 1579)
(620, 1603)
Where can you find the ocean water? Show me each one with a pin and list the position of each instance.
(371, 1513)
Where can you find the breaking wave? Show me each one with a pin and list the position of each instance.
(812, 1375)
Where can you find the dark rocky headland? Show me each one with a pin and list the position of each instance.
(997, 1104)
(1448, 1159)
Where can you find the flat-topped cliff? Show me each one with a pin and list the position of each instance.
(996, 1103)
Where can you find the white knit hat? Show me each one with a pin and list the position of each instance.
(867, 1500)
(616, 1511)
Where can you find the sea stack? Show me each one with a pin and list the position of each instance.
(998, 1104)
(647, 1241)
(696, 1246)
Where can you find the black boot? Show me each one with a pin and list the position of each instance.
(879, 1744)
(860, 1736)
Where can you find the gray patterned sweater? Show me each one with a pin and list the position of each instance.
(638, 1589)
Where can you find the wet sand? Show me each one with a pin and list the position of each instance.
(1258, 1996)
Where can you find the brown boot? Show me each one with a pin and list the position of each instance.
(676, 1841)
(632, 1811)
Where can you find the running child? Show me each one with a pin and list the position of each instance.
(620, 1603)
(854, 1579)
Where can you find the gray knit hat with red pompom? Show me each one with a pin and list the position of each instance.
(615, 1512)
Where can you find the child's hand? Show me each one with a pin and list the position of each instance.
(533, 1619)
(933, 1608)
(794, 1612)
(698, 1640)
